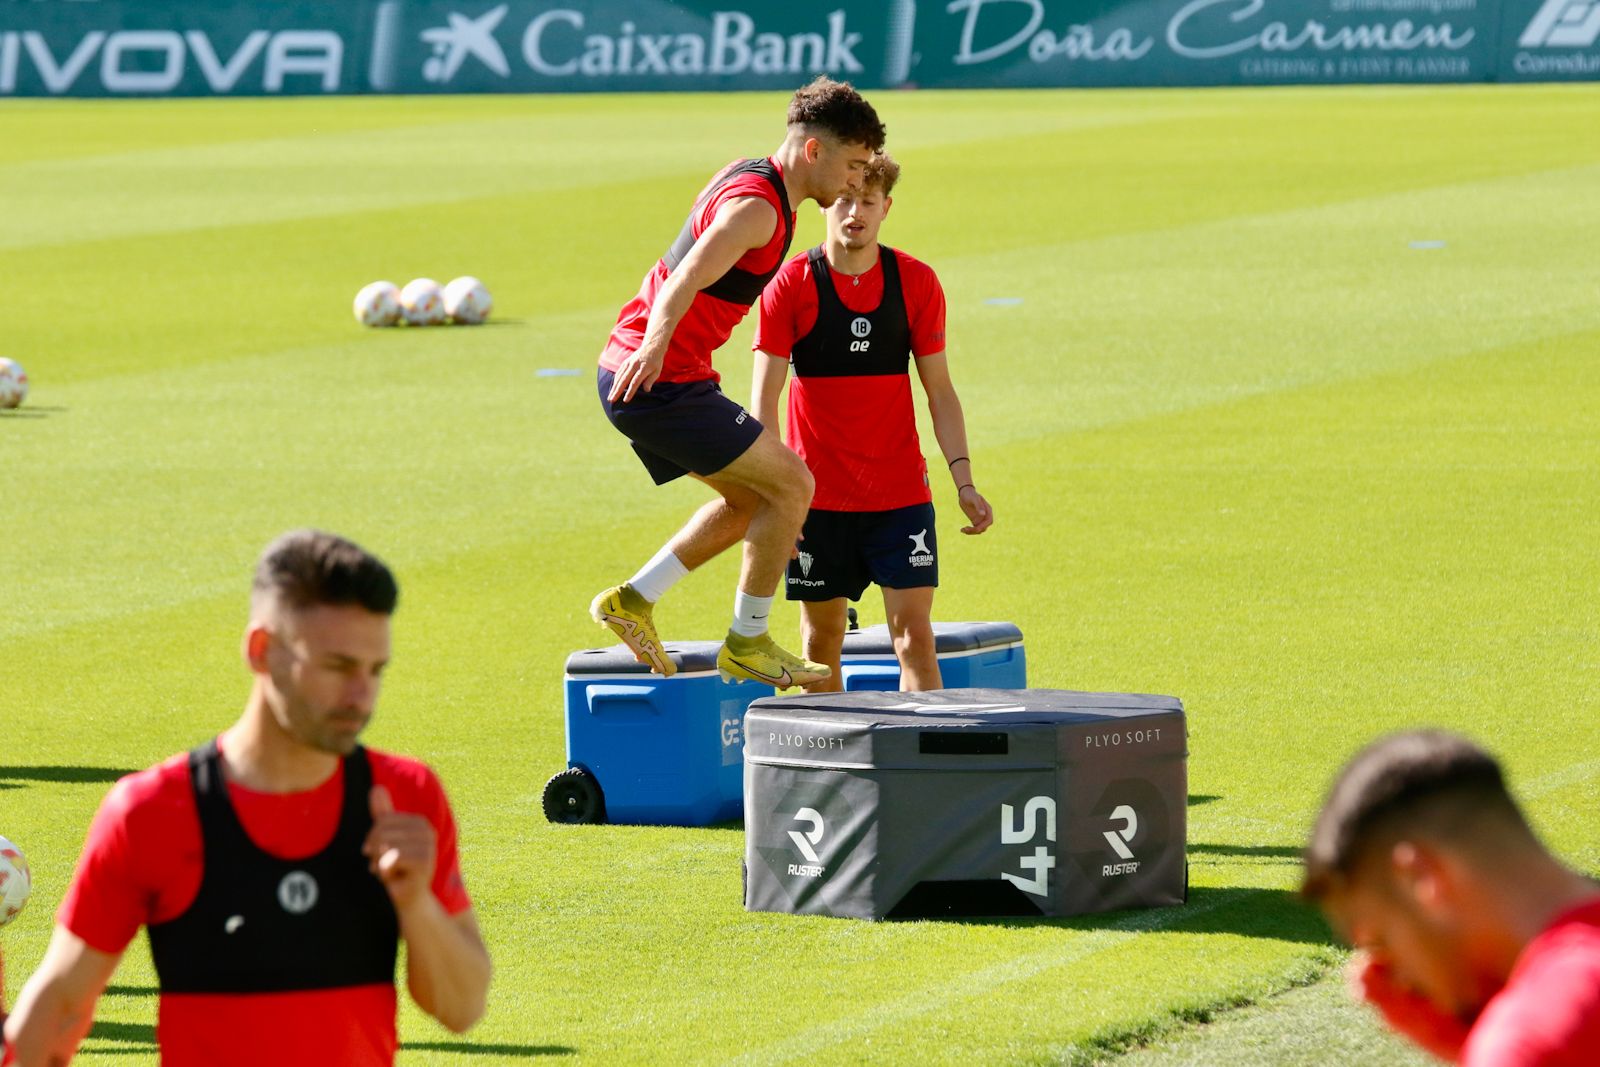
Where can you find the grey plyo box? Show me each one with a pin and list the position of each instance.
(964, 801)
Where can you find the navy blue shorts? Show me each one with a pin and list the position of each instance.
(842, 552)
(678, 427)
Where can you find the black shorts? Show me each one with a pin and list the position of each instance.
(842, 552)
(678, 427)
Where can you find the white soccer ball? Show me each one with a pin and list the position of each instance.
(467, 301)
(378, 304)
(422, 303)
(13, 386)
(15, 881)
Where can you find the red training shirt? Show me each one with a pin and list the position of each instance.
(857, 434)
(142, 864)
(708, 323)
(1548, 1013)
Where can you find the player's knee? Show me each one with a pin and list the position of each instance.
(913, 638)
(796, 487)
(824, 636)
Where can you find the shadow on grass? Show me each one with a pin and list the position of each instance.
(1197, 799)
(1246, 911)
(132, 991)
(70, 775)
(128, 1033)
(474, 1049)
(1272, 855)
(142, 1034)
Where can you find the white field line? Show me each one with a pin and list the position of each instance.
(982, 983)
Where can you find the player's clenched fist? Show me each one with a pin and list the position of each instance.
(401, 848)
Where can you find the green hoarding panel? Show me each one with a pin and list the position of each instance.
(150, 48)
(606, 45)
(197, 48)
(970, 43)
(1550, 40)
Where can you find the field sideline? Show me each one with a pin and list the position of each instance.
(1286, 401)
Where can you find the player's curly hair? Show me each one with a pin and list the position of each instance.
(881, 173)
(837, 109)
(307, 568)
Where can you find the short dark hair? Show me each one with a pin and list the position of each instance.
(306, 568)
(1419, 781)
(837, 109)
(882, 172)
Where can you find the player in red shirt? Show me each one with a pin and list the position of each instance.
(278, 865)
(1474, 941)
(850, 316)
(657, 386)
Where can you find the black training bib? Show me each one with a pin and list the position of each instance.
(266, 925)
(846, 343)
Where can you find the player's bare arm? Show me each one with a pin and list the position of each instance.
(56, 1007)
(448, 967)
(740, 226)
(766, 387)
(950, 427)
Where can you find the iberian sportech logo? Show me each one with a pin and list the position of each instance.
(921, 554)
(1563, 24)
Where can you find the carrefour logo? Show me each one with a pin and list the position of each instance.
(1563, 24)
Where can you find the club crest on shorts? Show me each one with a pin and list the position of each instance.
(297, 893)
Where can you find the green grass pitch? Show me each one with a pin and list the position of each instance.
(1252, 436)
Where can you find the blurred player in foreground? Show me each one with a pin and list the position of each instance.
(1473, 940)
(657, 386)
(850, 315)
(278, 865)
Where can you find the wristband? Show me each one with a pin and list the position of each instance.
(969, 485)
(958, 459)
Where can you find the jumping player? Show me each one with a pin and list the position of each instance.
(277, 866)
(657, 385)
(850, 315)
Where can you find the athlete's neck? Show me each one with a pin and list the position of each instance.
(790, 158)
(851, 261)
(259, 754)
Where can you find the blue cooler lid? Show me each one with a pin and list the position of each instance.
(692, 657)
(947, 637)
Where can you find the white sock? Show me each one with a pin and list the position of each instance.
(659, 575)
(750, 614)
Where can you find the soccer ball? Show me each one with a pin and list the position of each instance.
(13, 386)
(378, 304)
(421, 302)
(15, 881)
(466, 301)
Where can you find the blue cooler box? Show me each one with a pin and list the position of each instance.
(972, 655)
(646, 749)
